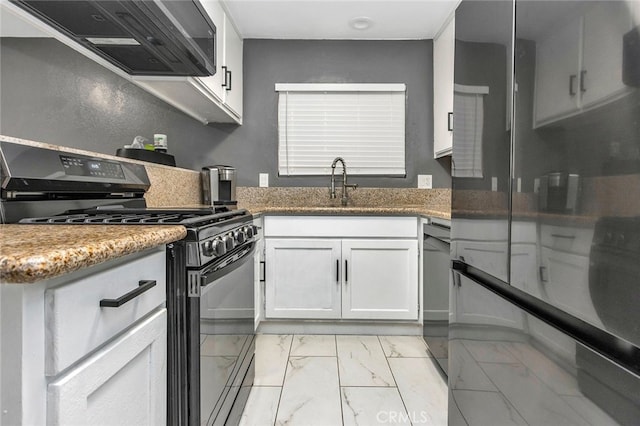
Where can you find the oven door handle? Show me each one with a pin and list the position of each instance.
(200, 280)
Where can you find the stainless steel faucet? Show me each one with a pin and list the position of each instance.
(332, 194)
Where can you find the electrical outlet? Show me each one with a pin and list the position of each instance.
(425, 181)
(519, 185)
(494, 183)
(264, 180)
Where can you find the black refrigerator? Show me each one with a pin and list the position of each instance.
(544, 322)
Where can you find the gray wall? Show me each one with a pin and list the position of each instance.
(51, 93)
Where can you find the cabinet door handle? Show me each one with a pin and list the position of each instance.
(450, 121)
(229, 82)
(224, 70)
(544, 277)
(263, 272)
(346, 271)
(338, 270)
(583, 85)
(572, 80)
(116, 303)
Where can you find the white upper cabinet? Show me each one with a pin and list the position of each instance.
(604, 26)
(233, 64)
(203, 98)
(558, 62)
(226, 84)
(443, 59)
(579, 63)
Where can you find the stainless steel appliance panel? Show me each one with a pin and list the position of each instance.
(578, 165)
(508, 366)
(435, 304)
(481, 137)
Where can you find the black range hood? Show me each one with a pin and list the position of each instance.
(142, 37)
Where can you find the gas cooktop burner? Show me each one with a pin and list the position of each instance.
(136, 216)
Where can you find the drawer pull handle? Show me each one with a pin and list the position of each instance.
(116, 303)
(568, 237)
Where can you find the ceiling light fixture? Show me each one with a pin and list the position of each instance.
(361, 23)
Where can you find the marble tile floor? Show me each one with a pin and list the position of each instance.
(336, 380)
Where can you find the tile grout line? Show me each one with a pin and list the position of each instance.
(335, 340)
(404, 404)
(283, 379)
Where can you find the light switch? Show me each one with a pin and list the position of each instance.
(425, 181)
(264, 180)
(494, 183)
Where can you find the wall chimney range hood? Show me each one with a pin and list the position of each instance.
(141, 37)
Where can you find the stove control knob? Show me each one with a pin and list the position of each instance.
(240, 235)
(214, 247)
(208, 248)
(229, 241)
(249, 231)
(219, 247)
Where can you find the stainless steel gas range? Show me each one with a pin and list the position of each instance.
(210, 302)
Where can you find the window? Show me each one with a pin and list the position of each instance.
(468, 119)
(362, 123)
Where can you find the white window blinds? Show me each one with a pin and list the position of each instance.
(362, 123)
(468, 120)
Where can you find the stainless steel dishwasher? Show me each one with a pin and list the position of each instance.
(436, 267)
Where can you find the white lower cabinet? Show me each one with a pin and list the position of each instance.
(303, 278)
(379, 279)
(69, 360)
(120, 384)
(341, 278)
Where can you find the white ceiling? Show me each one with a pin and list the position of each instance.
(329, 19)
(13, 25)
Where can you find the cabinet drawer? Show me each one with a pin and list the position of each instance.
(75, 322)
(569, 239)
(340, 226)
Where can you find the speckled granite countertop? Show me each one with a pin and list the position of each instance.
(30, 253)
(349, 210)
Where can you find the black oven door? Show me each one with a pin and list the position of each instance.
(222, 339)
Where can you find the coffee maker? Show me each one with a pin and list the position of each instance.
(219, 186)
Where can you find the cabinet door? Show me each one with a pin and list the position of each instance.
(605, 23)
(123, 383)
(488, 256)
(565, 283)
(557, 72)
(380, 279)
(233, 62)
(443, 59)
(473, 304)
(302, 278)
(217, 15)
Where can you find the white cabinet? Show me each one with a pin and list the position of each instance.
(579, 62)
(226, 84)
(379, 279)
(341, 268)
(476, 305)
(122, 383)
(473, 304)
(557, 69)
(443, 61)
(199, 97)
(303, 278)
(68, 360)
(564, 270)
(605, 23)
